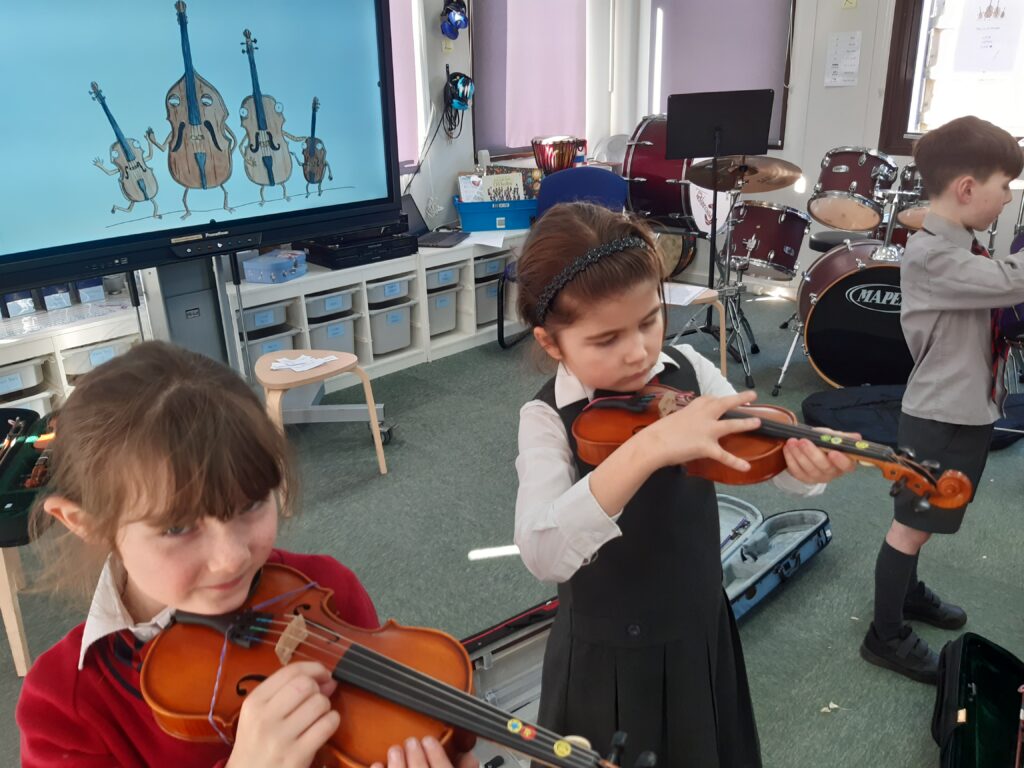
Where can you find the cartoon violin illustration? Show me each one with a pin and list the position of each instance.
(138, 183)
(268, 160)
(314, 157)
(200, 143)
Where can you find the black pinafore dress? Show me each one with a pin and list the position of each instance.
(644, 640)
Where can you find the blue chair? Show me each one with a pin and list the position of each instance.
(584, 184)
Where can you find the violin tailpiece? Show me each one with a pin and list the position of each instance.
(293, 636)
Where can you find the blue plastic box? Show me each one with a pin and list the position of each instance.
(275, 267)
(514, 214)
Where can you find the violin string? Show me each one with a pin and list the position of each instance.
(382, 674)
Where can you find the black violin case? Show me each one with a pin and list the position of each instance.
(759, 555)
(978, 713)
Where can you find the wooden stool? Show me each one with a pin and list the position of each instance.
(276, 383)
(11, 580)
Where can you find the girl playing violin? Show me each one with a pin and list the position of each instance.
(644, 641)
(168, 466)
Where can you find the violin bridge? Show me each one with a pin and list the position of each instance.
(667, 404)
(293, 636)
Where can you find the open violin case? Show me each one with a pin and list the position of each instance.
(759, 554)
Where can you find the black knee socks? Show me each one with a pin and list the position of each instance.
(893, 572)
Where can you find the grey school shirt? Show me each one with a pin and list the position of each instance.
(948, 296)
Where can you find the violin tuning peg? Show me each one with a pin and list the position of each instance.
(898, 487)
(646, 760)
(615, 750)
(931, 464)
(908, 452)
(922, 505)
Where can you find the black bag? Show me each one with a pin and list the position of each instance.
(977, 704)
(874, 412)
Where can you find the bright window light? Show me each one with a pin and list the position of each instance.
(659, 24)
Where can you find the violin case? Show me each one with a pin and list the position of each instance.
(15, 499)
(978, 708)
(759, 554)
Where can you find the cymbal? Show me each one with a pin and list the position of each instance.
(761, 174)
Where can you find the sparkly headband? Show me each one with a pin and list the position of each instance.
(592, 256)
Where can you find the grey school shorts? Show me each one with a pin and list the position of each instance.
(954, 446)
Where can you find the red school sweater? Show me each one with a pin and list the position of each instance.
(96, 717)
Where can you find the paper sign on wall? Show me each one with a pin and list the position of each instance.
(989, 36)
(843, 59)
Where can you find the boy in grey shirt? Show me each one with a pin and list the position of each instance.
(955, 392)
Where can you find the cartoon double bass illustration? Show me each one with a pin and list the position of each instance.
(268, 159)
(137, 180)
(314, 157)
(200, 143)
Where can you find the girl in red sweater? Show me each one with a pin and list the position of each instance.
(168, 466)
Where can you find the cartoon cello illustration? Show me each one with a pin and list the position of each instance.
(314, 157)
(137, 180)
(200, 143)
(268, 159)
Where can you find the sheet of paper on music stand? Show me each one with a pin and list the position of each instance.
(681, 294)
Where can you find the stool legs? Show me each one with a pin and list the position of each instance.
(275, 409)
(374, 425)
(10, 574)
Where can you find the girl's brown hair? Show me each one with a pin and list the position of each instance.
(164, 435)
(563, 234)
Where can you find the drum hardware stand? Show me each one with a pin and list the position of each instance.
(717, 124)
(886, 251)
(798, 329)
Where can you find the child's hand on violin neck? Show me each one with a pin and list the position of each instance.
(286, 719)
(426, 754)
(809, 464)
(693, 432)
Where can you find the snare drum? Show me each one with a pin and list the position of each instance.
(850, 304)
(914, 207)
(657, 187)
(766, 239)
(844, 197)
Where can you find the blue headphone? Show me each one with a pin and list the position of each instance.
(458, 90)
(454, 17)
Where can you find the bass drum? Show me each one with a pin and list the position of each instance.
(850, 305)
(657, 187)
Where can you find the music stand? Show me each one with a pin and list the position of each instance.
(712, 124)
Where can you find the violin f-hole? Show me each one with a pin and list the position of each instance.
(243, 689)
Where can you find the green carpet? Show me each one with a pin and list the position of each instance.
(451, 488)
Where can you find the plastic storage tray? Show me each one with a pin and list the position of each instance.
(488, 267)
(41, 402)
(276, 343)
(267, 316)
(24, 375)
(387, 290)
(441, 310)
(334, 334)
(514, 214)
(442, 277)
(329, 303)
(487, 302)
(391, 328)
(84, 359)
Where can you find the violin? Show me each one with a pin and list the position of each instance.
(137, 180)
(200, 143)
(607, 422)
(268, 161)
(394, 681)
(314, 155)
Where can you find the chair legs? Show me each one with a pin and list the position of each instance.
(374, 425)
(10, 575)
(275, 409)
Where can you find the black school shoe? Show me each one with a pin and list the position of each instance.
(924, 605)
(906, 653)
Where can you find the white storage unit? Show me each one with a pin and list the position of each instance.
(15, 379)
(486, 302)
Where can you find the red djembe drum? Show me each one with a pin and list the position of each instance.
(555, 153)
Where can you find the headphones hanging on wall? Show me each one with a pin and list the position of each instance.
(454, 17)
(458, 90)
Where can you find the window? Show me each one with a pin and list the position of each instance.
(406, 59)
(726, 45)
(950, 58)
(529, 65)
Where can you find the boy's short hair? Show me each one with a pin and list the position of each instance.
(967, 146)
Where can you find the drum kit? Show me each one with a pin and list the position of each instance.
(848, 299)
